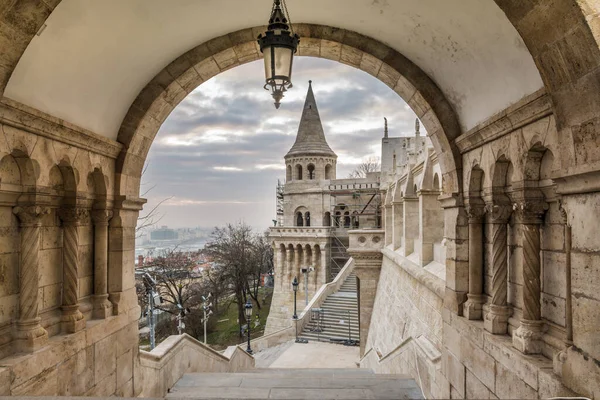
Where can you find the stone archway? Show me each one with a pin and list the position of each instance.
(156, 101)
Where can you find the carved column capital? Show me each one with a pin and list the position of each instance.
(101, 217)
(530, 211)
(73, 215)
(475, 212)
(30, 215)
(498, 213)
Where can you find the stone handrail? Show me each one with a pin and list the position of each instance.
(162, 367)
(430, 281)
(285, 334)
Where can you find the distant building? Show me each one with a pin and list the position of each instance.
(164, 233)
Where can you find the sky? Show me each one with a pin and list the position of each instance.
(218, 156)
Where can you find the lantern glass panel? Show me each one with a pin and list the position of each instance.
(283, 61)
(268, 58)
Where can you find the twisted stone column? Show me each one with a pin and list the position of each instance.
(102, 307)
(475, 299)
(528, 337)
(30, 334)
(496, 318)
(72, 319)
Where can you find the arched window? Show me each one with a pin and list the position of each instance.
(338, 216)
(298, 172)
(347, 219)
(307, 218)
(327, 219)
(311, 171)
(299, 219)
(288, 173)
(328, 170)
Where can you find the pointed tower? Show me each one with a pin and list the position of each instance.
(310, 158)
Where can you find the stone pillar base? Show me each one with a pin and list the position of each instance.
(72, 319)
(102, 307)
(528, 337)
(473, 307)
(496, 319)
(30, 335)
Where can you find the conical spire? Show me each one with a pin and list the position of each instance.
(310, 139)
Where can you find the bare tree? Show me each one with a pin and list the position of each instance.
(371, 164)
(153, 216)
(239, 255)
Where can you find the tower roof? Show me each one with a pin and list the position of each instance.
(310, 139)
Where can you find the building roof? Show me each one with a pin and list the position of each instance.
(310, 139)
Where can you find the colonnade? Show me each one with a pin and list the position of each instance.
(290, 258)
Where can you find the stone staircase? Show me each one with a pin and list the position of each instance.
(290, 383)
(340, 309)
(339, 255)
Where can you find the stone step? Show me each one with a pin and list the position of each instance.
(340, 384)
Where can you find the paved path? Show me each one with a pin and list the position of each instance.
(309, 355)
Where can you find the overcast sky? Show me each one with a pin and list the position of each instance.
(220, 153)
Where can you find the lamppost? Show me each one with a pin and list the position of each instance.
(278, 44)
(207, 312)
(248, 312)
(150, 285)
(306, 271)
(295, 316)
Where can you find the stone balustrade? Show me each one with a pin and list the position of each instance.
(295, 231)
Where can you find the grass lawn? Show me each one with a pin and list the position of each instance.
(226, 332)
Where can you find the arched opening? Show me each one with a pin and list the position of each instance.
(310, 169)
(338, 216)
(347, 219)
(288, 173)
(355, 220)
(299, 219)
(436, 182)
(327, 219)
(298, 176)
(307, 218)
(328, 171)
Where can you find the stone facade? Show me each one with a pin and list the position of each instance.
(64, 330)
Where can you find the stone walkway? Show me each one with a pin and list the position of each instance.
(309, 355)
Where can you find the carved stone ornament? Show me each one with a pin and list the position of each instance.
(475, 212)
(73, 214)
(498, 213)
(101, 216)
(530, 211)
(30, 215)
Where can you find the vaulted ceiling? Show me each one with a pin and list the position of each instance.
(93, 57)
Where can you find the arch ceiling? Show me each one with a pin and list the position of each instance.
(93, 58)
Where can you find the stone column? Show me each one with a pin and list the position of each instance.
(296, 269)
(324, 274)
(431, 224)
(30, 334)
(475, 298)
(289, 267)
(102, 307)
(388, 224)
(496, 317)
(397, 222)
(365, 248)
(72, 319)
(528, 337)
(411, 225)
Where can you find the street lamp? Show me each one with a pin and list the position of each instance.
(295, 286)
(248, 312)
(295, 316)
(207, 312)
(278, 44)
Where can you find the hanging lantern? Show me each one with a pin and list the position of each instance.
(278, 45)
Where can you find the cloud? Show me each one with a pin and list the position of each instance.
(220, 152)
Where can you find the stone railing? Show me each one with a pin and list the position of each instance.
(300, 231)
(283, 335)
(162, 367)
(366, 240)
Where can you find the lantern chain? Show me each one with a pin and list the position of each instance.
(285, 10)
